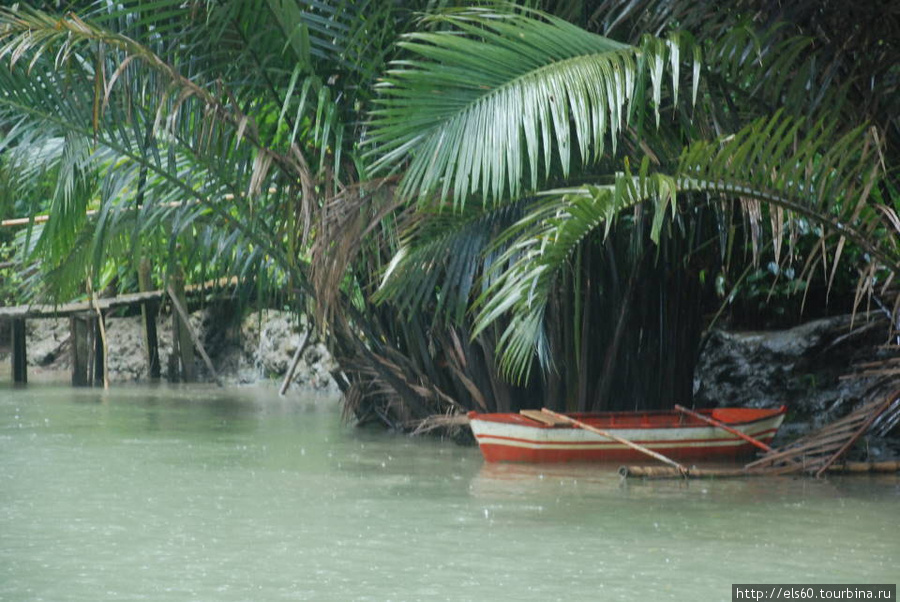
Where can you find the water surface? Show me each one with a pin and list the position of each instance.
(203, 494)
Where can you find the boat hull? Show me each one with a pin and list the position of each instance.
(516, 438)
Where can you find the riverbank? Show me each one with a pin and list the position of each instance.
(802, 367)
(257, 349)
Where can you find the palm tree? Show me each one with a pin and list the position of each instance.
(519, 165)
(217, 137)
(208, 134)
(124, 112)
(224, 137)
(484, 117)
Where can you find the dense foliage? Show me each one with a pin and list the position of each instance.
(491, 207)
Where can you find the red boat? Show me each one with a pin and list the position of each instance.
(531, 437)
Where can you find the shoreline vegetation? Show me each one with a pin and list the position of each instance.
(494, 207)
(804, 367)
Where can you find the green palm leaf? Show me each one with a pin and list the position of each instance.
(497, 101)
(441, 257)
(806, 170)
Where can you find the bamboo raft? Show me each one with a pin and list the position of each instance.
(666, 472)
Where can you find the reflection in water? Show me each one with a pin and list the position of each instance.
(204, 494)
(497, 479)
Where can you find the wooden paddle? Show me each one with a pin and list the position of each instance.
(617, 439)
(724, 427)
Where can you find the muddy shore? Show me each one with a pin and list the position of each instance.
(259, 349)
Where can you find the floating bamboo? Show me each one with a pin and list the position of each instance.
(617, 439)
(817, 451)
(665, 472)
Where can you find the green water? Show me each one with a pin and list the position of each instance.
(173, 494)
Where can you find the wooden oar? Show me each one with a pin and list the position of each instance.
(617, 439)
(724, 427)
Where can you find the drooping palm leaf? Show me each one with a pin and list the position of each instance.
(441, 257)
(496, 102)
(87, 82)
(778, 161)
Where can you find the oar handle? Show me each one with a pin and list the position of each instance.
(724, 427)
(616, 438)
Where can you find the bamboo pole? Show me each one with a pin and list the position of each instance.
(724, 427)
(865, 427)
(865, 467)
(77, 307)
(665, 472)
(43, 218)
(101, 346)
(293, 367)
(185, 320)
(618, 439)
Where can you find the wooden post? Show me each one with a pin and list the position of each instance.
(82, 331)
(19, 352)
(193, 336)
(182, 346)
(149, 309)
(101, 374)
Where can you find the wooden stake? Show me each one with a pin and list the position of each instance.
(149, 309)
(182, 334)
(182, 312)
(19, 352)
(618, 439)
(101, 346)
(293, 367)
(724, 427)
(81, 346)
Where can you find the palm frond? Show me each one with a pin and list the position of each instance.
(441, 257)
(492, 104)
(778, 161)
(191, 157)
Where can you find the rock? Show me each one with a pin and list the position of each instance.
(259, 348)
(799, 367)
(269, 341)
(48, 342)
